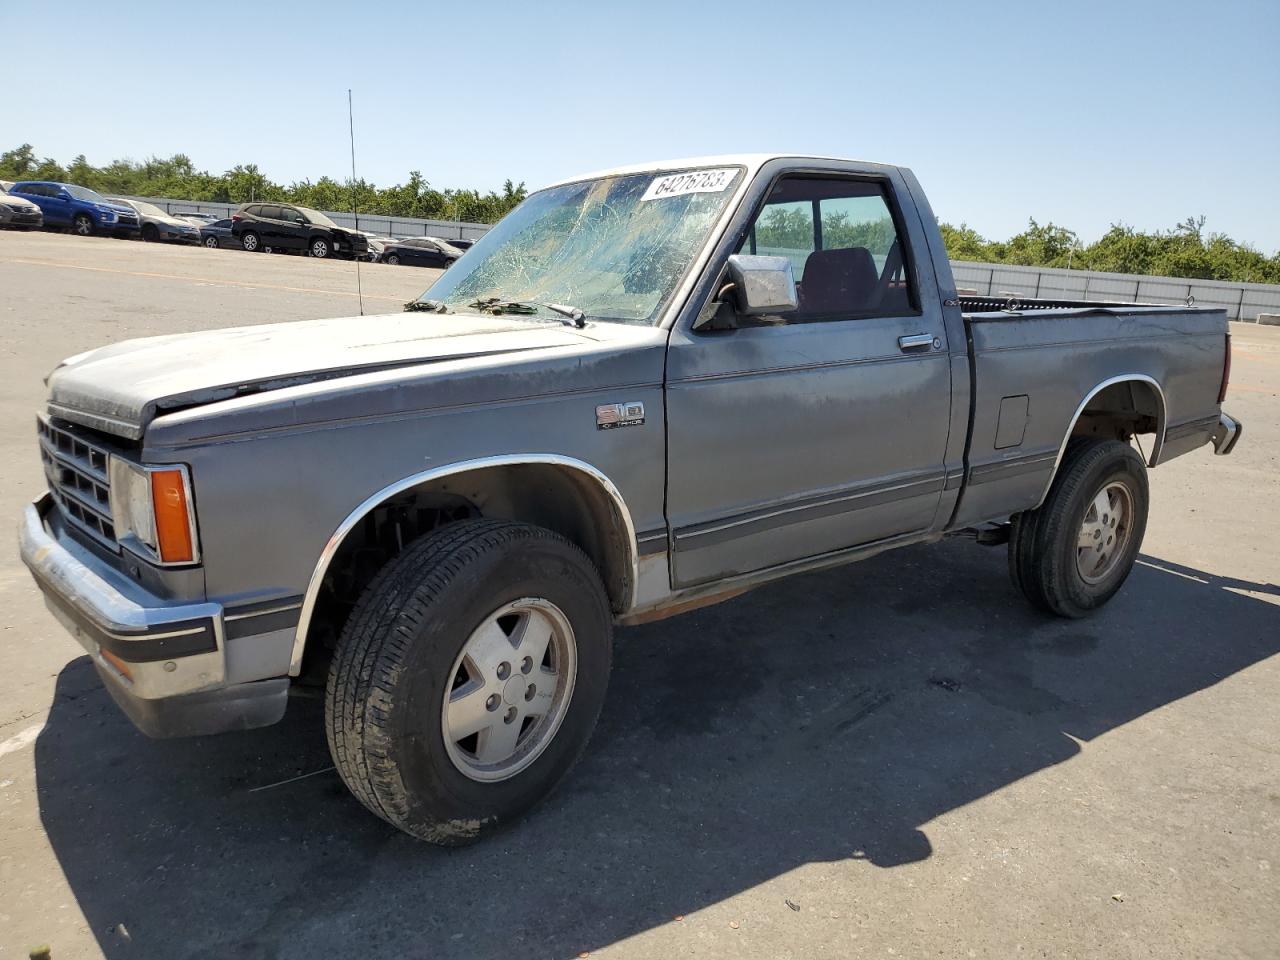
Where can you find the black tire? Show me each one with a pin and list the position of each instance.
(150, 233)
(1044, 546)
(250, 241)
(394, 260)
(211, 243)
(393, 667)
(319, 247)
(82, 225)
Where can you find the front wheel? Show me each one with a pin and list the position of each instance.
(320, 248)
(211, 243)
(468, 678)
(82, 225)
(250, 241)
(1073, 553)
(394, 260)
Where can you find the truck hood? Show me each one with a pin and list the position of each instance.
(121, 388)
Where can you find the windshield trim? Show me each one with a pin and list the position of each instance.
(79, 192)
(314, 216)
(667, 312)
(685, 286)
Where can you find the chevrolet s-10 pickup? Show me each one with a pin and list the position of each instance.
(643, 391)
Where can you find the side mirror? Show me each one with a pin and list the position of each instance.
(63, 195)
(762, 284)
(299, 220)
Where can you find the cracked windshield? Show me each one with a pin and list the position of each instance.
(612, 248)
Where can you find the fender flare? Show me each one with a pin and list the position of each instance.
(1162, 422)
(465, 466)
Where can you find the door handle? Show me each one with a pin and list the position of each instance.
(917, 340)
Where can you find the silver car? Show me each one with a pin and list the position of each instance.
(158, 225)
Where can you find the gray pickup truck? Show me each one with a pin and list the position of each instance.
(644, 391)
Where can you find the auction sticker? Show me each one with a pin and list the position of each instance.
(691, 181)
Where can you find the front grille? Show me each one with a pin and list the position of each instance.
(128, 220)
(79, 480)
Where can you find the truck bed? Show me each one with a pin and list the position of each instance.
(1036, 365)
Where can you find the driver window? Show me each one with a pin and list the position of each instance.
(846, 255)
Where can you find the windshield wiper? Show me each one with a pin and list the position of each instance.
(497, 305)
(425, 306)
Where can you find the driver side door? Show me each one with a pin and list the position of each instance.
(822, 429)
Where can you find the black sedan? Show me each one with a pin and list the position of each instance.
(420, 252)
(218, 234)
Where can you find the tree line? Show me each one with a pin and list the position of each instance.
(1187, 250)
(177, 178)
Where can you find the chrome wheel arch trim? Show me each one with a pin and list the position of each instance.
(1162, 423)
(464, 466)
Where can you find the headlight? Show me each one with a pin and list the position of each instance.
(152, 507)
(108, 216)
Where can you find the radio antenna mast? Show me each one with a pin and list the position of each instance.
(351, 126)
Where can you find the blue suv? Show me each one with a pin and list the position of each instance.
(81, 209)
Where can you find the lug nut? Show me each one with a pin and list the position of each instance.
(511, 715)
(492, 703)
(526, 664)
(504, 670)
(529, 693)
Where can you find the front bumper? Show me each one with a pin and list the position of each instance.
(10, 217)
(164, 663)
(1226, 434)
(179, 236)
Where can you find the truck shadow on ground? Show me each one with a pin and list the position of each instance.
(825, 718)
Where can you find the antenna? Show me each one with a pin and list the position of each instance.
(351, 126)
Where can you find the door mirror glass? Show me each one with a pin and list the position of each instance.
(762, 285)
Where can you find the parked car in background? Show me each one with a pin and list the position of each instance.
(80, 209)
(420, 252)
(462, 243)
(156, 225)
(5, 185)
(19, 212)
(285, 226)
(199, 219)
(218, 234)
(376, 245)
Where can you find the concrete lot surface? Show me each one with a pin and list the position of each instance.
(898, 758)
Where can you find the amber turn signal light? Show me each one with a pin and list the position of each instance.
(173, 519)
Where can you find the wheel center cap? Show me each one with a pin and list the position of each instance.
(513, 692)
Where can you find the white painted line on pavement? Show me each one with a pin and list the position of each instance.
(20, 740)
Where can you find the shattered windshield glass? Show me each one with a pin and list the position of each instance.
(614, 248)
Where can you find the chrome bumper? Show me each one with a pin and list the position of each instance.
(1226, 434)
(167, 649)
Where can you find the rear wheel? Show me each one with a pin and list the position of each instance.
(1072, 554)
(150, 233)
(468, 678)
(250, 241)
(320, 247)
(82, 224)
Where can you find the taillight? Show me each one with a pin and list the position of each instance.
(1226, 371)
(235, 217)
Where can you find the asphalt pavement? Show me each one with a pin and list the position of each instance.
(897, 758)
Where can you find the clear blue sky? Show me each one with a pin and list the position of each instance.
(1082, 113)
